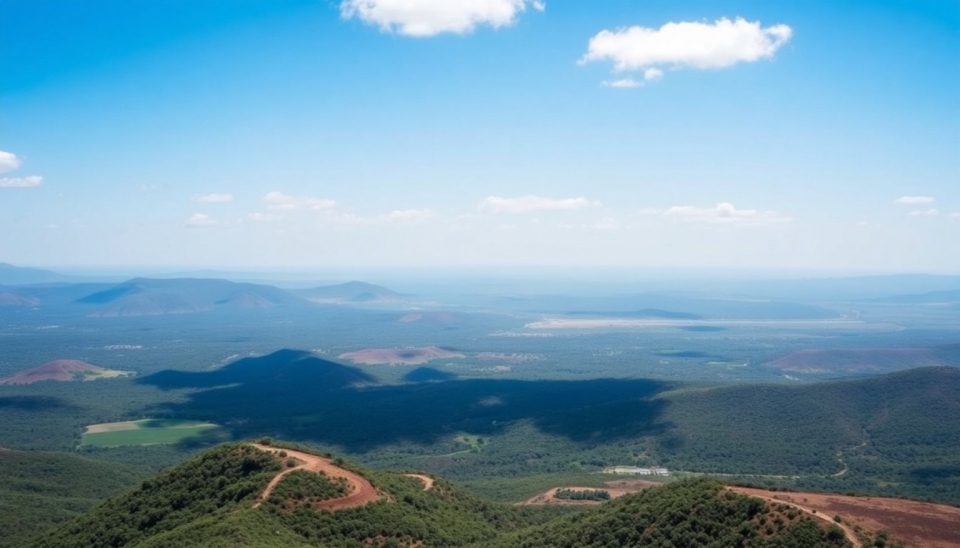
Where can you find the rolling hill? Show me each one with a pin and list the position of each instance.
(350, 292)
(18, 275)
(151, 297)
(244, 495)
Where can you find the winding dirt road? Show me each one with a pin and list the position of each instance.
(362, 491)
(427, 480)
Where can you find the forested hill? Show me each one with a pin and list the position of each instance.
(211, 501)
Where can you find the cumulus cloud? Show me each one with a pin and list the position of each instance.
(8, 161)
(409, 216)
(925, 213)
(523, 204)
(279, 201)
(213, 198)
(955, 215)
(21, 182)
(697, 45)
(725, 213)
(200, 220)
(424, 18)
(914, 200)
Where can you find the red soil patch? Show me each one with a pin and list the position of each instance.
(915, 524)
(399, 356)
(61, 370)
(362, 491)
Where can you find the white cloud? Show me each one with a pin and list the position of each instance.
(652, 74)
(649, 75)
(649, 211)
(21, 182)
(279, 201)
(200, 220)
(955, 215)
(925, 213)
(725, 213)
(423, 18)
(8, 161)
(606, 223)
(213, 198)
(698, 45)
(623, 83)
(523, 204)
(914, 200)
(409, 216)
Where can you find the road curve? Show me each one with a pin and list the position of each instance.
(362, 491)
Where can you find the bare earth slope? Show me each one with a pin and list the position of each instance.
(63, 370)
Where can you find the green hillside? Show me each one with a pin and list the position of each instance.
(42, 490)
(209, 501)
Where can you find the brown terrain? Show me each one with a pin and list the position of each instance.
(400, 356)
(915, 524)
(361, 491)
(63, 370)
(855, 360)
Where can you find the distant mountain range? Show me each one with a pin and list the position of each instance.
(17, 275)
(350, 292)
(149, 297)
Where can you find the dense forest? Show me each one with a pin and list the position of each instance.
(208, 502)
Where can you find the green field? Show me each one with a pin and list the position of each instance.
(147, 432)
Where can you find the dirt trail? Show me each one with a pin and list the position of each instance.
(847, 530)
(361, 491)
(427, 480)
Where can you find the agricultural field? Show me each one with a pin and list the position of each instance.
(146, 432)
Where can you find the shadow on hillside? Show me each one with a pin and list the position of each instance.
(295, 395)
(33, 403)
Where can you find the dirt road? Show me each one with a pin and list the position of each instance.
(427, 480)
(775, 499)
(361, 491)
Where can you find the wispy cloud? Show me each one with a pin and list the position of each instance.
(8, 161)
(696, 45)
(279, 201)
(725, 213)
(914, 200)
(649, 75)
(523, 204)
(213, 198)
(933, 212)
(200, 220)
(21, 182)
(424, 18)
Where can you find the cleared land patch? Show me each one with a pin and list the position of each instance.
(64, 371)
(145, 432)
(856, 360)
(915, 524)
(400, 356)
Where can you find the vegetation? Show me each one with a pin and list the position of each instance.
(42, 490)
(582, 494)
(207, 502)
(209, 485)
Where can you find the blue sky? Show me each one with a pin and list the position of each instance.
(813, 136)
